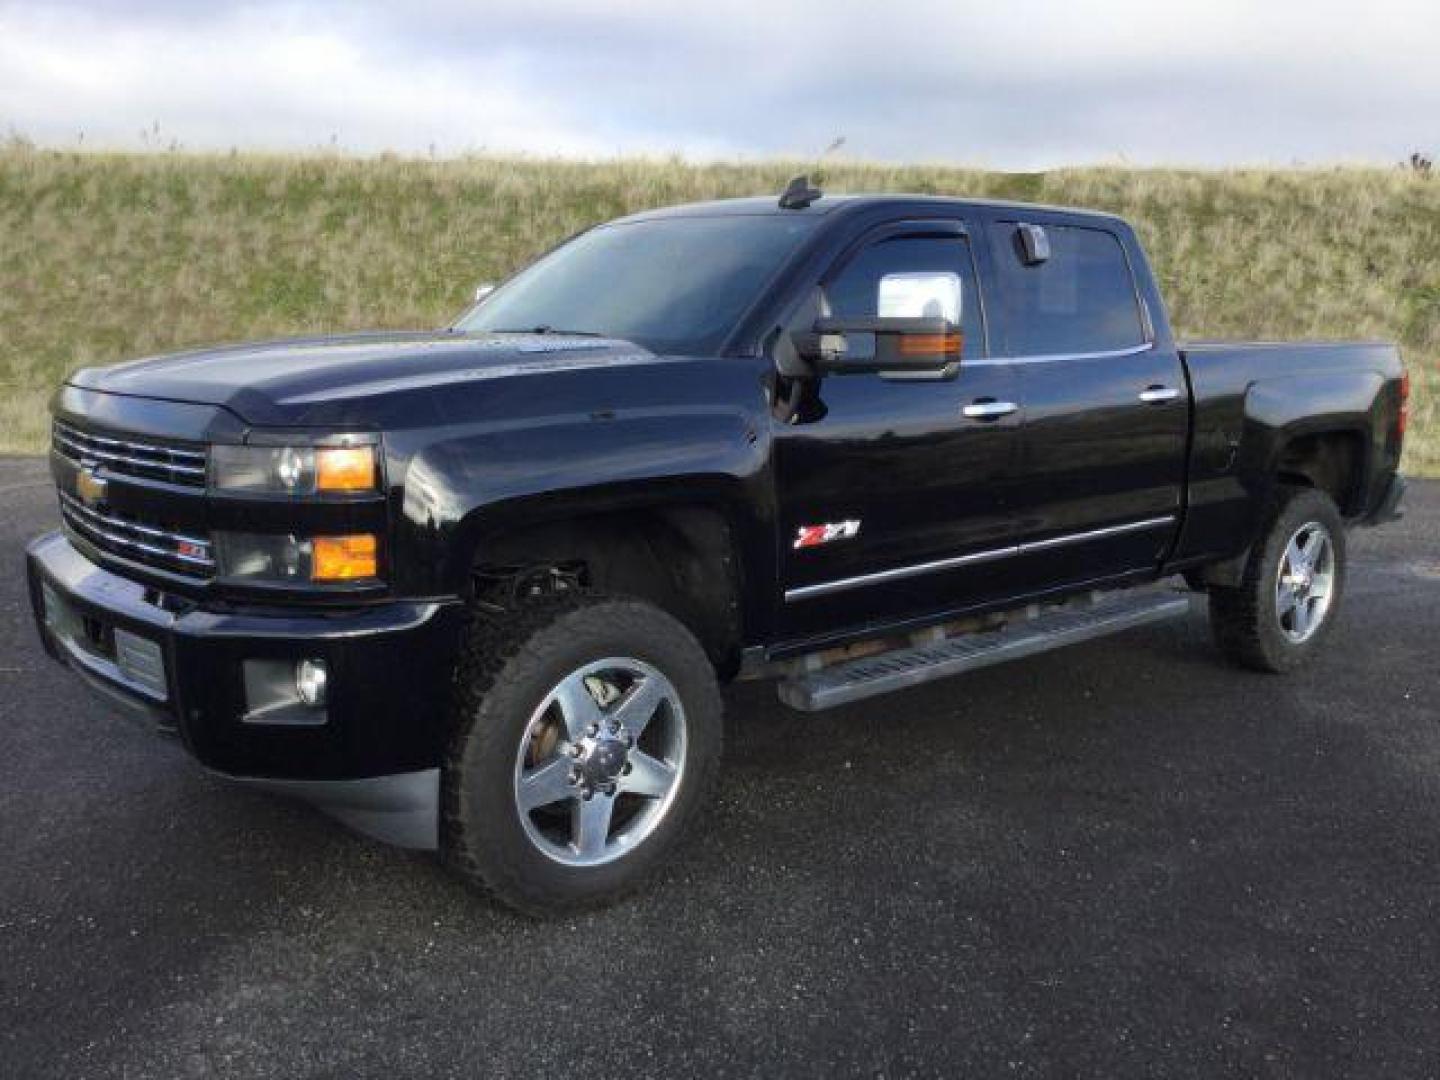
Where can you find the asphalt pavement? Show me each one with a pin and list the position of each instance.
(1121, 859)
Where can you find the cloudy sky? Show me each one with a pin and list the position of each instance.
(1005, 83)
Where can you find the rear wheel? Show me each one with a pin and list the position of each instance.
(587, 737)
(1288, 597)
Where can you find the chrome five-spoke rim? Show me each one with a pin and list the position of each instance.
(1305, 583)
(600, 762)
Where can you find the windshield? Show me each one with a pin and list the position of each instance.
(672, 285)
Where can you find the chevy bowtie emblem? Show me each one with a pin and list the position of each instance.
(90, 487)
(815, 535)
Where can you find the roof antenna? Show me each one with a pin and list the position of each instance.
(799, 194)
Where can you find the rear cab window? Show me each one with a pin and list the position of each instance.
(1080, 301)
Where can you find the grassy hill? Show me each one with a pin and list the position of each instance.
(105, 257)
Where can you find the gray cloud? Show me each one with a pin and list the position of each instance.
(1021, 84)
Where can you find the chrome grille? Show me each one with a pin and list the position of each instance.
(131, 456)
(140, 541)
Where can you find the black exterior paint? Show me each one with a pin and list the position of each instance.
(1095, 455)
(483, 434)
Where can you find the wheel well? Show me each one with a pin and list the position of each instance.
(1330, 462)
(679, 558)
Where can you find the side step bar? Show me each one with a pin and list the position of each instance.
(870, 676)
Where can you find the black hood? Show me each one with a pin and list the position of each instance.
(291, 382)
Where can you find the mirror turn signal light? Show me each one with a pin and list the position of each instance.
(345, 468)
(930, 344)
(344, 558)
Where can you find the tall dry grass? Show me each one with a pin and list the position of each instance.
(108, 256)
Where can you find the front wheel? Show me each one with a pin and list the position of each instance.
(1289, 595)
(587, 736)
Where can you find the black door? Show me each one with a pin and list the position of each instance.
(1101, 468)
(892, 491)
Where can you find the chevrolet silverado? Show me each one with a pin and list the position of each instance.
(476, 590)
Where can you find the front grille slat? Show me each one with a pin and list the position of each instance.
(111, 457)
(132, 526)
(131, 456)
(174, 551)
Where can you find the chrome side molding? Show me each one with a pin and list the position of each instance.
(899, 573)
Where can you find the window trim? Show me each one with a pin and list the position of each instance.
(1053, 358)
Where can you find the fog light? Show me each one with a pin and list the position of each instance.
(310, 681)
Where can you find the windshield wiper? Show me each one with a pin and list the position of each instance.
(551, 330)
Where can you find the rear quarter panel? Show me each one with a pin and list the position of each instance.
(1251, 400)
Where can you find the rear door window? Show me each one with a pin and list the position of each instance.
(1081, 300)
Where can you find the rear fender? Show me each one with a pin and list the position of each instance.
(1279, 411)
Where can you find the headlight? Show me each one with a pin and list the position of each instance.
(279, 558)
(294, 470)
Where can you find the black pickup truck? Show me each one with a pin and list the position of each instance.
(476, 590)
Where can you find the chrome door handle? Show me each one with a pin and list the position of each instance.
(1159, 393)
(989, 410)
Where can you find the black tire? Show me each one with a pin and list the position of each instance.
(508, 665)
(1245, 620)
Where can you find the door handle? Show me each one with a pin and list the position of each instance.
(1159, 393)
(989, 410)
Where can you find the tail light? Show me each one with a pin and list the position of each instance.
(1403, 421)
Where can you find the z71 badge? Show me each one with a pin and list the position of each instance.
(815, 535)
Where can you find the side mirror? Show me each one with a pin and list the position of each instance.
(914, 346)
(482, 291)
(916, 330)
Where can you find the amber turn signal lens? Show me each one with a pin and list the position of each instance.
(345, 468)
(929, 344)
(343, 558)
(1402, 420)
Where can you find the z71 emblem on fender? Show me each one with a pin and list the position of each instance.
(815, 535)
